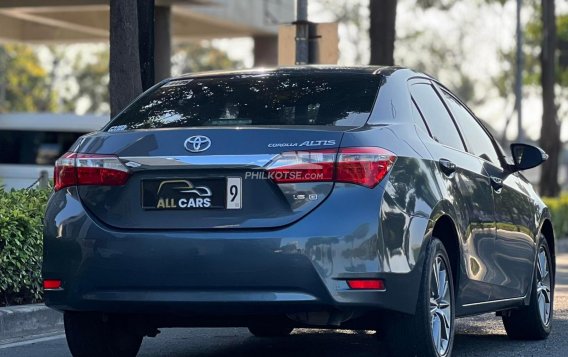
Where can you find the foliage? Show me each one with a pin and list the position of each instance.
(533, 37)
(559, 210)
(24, 83)
(200, 56)
(21, 213)
(353, 19)
(532, 50)
(91, 75)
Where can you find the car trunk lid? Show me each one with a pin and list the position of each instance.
(227, 185)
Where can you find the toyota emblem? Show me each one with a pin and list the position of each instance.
(197, 143)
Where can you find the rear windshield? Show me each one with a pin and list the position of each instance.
(262, 99)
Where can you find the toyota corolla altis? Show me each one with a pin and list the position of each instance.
(325, 197)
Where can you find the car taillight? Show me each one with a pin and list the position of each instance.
(365, 166)
(89, 169)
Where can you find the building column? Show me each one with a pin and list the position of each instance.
(162, 43)
(265, 50)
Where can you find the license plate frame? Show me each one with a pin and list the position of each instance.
(176, 194)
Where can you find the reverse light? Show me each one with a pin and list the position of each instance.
(51, 284)
(365, 166)
(366, 284)
(89, 169)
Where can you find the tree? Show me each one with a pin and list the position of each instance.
(91, 76)
(353, 19)
(125, 73)
(550, 130)
(200, 56)
(382, 31)
(24, 83)
(544, 38)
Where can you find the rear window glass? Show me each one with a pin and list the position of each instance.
(34, 147)
(264, 99)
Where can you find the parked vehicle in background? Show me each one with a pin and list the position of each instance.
(31, 142)
(324, 197)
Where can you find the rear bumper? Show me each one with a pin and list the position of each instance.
(296, 269)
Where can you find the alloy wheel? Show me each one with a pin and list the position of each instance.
(543, 284)
(440, 306)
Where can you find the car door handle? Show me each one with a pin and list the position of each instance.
(496, 183)
(447, 166)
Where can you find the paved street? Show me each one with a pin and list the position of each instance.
(478, 336)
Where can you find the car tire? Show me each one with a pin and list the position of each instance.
(270, 331)
(533, 322)
(430, 331)
(90, 335)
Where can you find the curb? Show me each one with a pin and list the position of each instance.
(25, 320)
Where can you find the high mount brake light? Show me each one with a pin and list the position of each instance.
(365, 166)
(89, 169)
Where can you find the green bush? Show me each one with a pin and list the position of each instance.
(21, 215)
(559, 210)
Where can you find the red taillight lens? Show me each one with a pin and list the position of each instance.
(51, 284)
(89, 169)
(365, 166)
(65, 173)
(366, 284)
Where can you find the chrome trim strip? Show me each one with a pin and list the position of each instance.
(255, 160)
(494, 301)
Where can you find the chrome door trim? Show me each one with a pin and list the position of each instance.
(495, 301)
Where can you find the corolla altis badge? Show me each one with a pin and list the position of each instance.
(304, 143)
(197, 143)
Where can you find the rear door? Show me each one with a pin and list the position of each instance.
(468, 191)
(514, 252)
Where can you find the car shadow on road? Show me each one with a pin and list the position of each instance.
(485, 336)
(304, 342)
(479, 336)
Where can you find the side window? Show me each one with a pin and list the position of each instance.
(441, 125)
(479, 143)
(418, 119)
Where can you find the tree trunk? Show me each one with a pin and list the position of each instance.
(163, 43)
(550, 130)
(382, 31)
(146, 42)
(125, 76)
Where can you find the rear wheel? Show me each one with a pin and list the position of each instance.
(90, 334)
(430, 331)
(270, 331)
(533, 322)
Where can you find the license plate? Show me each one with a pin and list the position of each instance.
(191, 194)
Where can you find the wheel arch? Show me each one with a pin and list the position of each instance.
(547, 231)
(444, 228)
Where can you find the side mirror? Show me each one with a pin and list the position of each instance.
(527, 156)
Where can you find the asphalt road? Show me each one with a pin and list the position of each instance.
(478, 336)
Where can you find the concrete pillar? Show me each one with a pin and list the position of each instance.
(163, 42)
(265, 50)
